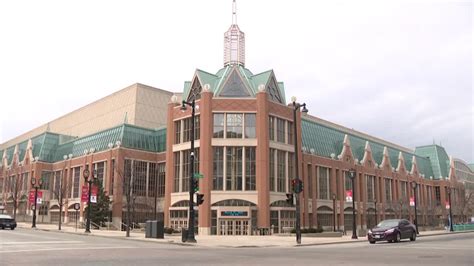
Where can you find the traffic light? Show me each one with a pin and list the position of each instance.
(195, 185)
(297, 185)
(289, 198)
(199, 199)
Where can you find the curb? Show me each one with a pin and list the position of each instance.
(171, 242)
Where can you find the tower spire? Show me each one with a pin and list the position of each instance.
(234, 42)
(234, 13)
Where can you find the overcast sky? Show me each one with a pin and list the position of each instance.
(397, 70)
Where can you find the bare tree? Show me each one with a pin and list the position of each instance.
(127, 189)
(17, 191)
(466, 206)
(61, 190)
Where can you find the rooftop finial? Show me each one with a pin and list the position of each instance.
(234, 13)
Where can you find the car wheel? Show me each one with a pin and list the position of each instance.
(413, 236)
(3, 227)
(13, 227)
(372, 242)
(399, 237)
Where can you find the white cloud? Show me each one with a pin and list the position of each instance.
(399, 70)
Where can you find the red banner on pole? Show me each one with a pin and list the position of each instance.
(85, 193)
(447, 205)
(31, 197)
(412, 201)
(349, 195)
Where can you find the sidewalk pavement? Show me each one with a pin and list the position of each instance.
(221, 241)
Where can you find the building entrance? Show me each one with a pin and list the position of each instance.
(234, 227)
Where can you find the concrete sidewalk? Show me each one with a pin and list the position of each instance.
(221, 241)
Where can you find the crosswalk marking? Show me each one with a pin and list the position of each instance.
(39, 242)
(65, 248)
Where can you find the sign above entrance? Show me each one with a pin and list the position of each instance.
(234, 213)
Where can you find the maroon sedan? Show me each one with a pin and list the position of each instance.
(392, 231)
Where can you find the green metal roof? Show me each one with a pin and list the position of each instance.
(217, 81)
(51, 147)
(324, 140)
(438, 157)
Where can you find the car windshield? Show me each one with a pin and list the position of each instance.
(4, 216)
(388, 223)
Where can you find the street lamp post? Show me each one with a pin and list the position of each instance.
(401, 208)
(190, 236)
(450, 212)
(352, 175)
(415, 186)
(296, 108)
(86, 175)
(36, 186)
(334, 211)
(375, 207)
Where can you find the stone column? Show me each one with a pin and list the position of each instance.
(169, 176)
(206, 161)
(262, 186)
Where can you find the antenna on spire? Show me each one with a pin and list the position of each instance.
(234, 13)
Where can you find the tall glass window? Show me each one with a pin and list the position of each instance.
(139, 178)
(234, 168)
(218, 169)
(177, 163)
(281, 171)
(186, 165)
(370, 188)
(234, 125)
(177, 132)
(250, 169)
(188, 128)
(271, 127)
(388, 189)
(218, 126)
(323, 180)
(272, 177)
(76, 181)
(310, 181)
(291, 138)
(404, 185)
(281, 130)
(99, 171)
(47, 177)
(250, 126)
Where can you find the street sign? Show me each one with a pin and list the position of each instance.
(348, 195)
(447, 205)
(77, 206)
(198, 175)
(93, 199)
(412, 201)
(39, 200)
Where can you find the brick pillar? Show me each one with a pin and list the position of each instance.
(342, 198)
(118, 202)
(314, 209)
(169, 176)
(306, 188)
(363, 209)
(206, 161)
(263, 218)
(334, 189)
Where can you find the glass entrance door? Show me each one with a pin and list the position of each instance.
(235, 227)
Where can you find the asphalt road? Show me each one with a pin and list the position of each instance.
(35, 247)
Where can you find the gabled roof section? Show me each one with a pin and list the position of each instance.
(235, 86)
(326, 140)
(438, 157)
(245, 83)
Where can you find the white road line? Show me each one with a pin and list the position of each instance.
(58, 249)
(39, 242)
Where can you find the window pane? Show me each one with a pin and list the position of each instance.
(281, 130)
(272, 169)
(250, 169)
(250, 125)
(234, 125)
(218, 169)
(323, 183)
(218, 126)
(271, 127)
(234, 168)
(281, 171)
